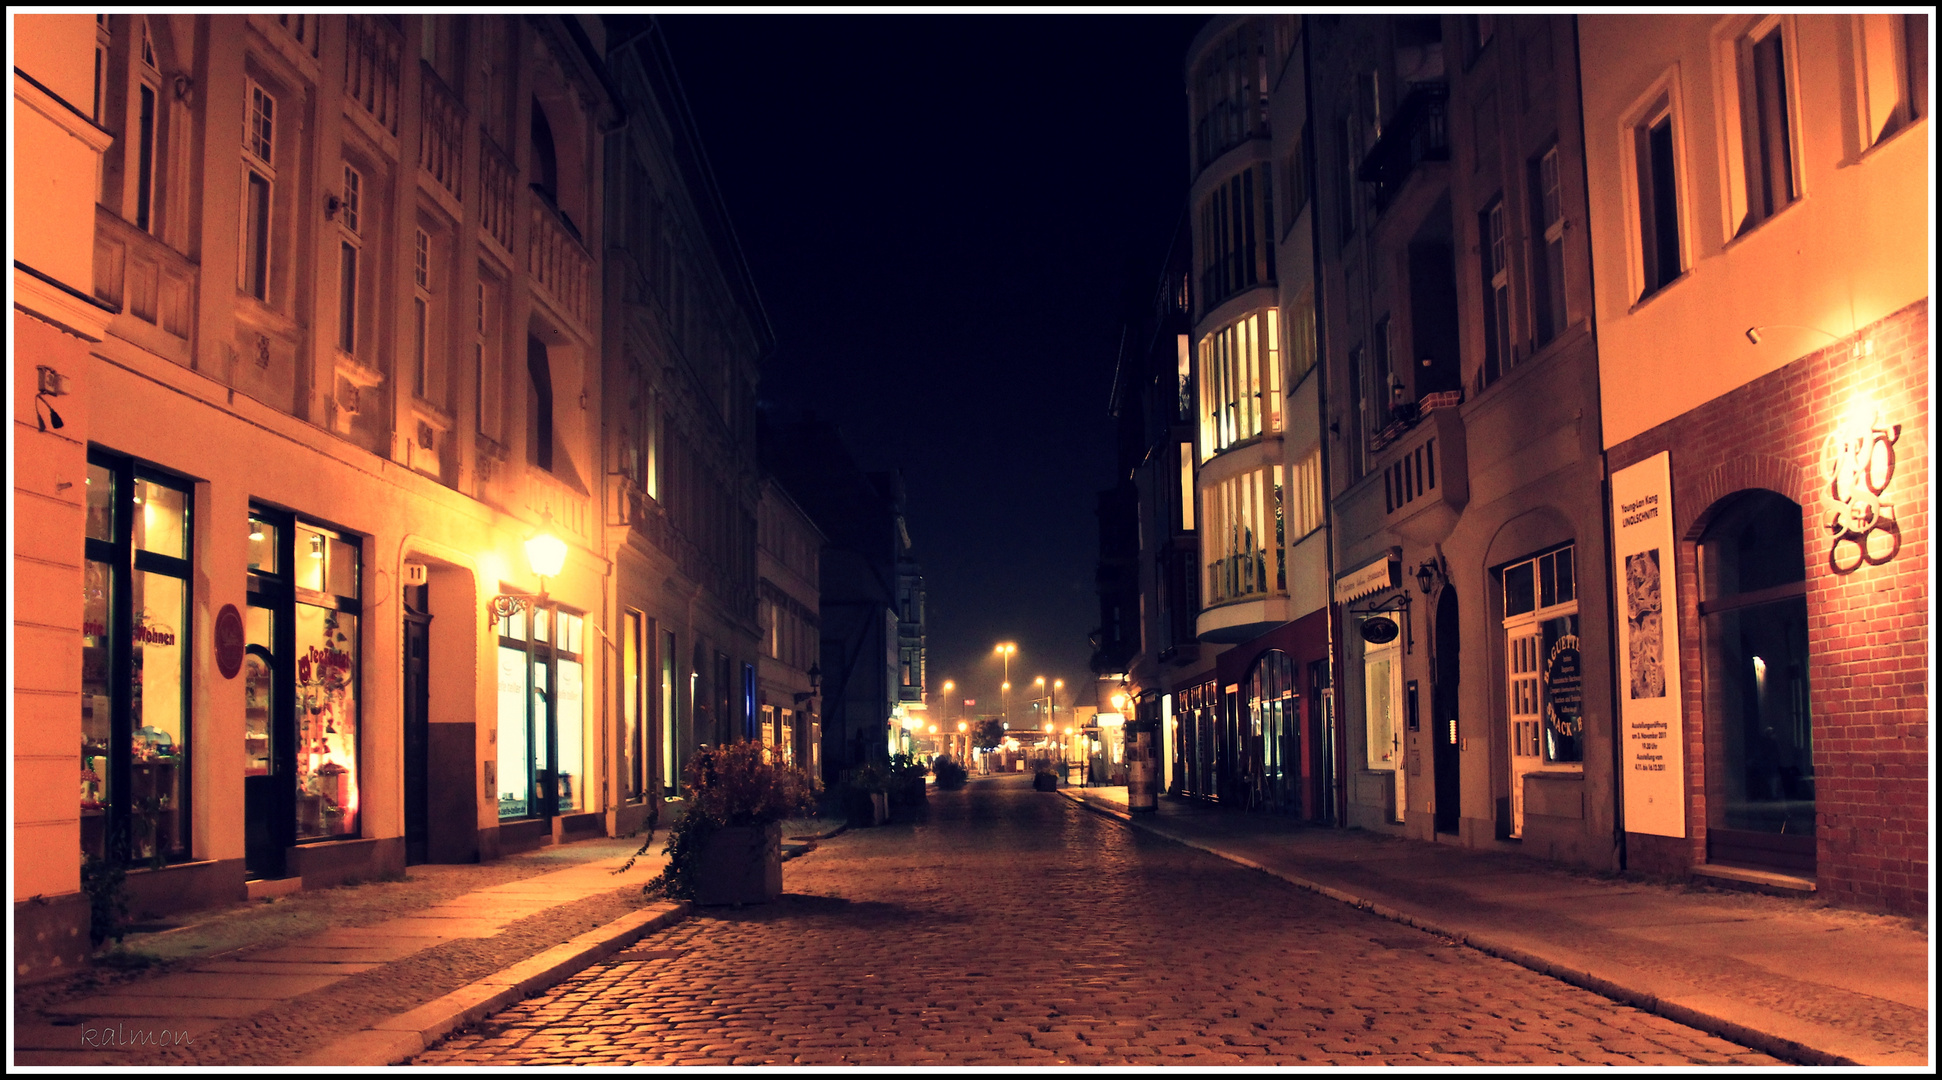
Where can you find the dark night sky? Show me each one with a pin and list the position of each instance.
(942, 214)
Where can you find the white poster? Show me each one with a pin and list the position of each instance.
(1648, 648)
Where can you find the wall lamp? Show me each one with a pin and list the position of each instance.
(815, 683)
(52, 384)
(547, 554)
(1861, 348)
(1432, 575)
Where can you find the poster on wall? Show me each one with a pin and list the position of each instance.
(1648, 648)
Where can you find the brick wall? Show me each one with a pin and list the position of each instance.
(1867, 621)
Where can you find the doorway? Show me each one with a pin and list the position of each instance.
(1444, 744)
(417, 726)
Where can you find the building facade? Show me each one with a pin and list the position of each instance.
(1759, 194)
(331, 312)
(788, 553)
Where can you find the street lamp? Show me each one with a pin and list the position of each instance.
(547, 555)
(1007, 650)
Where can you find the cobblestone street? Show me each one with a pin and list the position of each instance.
(1010, 927)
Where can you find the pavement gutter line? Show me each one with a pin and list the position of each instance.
(395, 1040)
(1767, 1043)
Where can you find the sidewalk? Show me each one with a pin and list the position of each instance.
(360, 975)
(1794, 979)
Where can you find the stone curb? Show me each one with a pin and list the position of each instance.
(397, 1039)
(1645, 1001)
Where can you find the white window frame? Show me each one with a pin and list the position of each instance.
(1524, 689)
(421, 316)
(1662, 103)
(350, 260)
(256, 246)
(1743, 113)
(1549, 260)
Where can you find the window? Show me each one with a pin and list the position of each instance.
(1245, 536)
(1658, 195)
(427, 381)
(1547, 238)
(1766, 140)
(146, 132)
(539, 411)
(541, 714)
(1240, 380)
(259, 186)
(350, 248)
(487, 377)
(1544, 708)
(1496, 289)
(1760, 738)
(637, 633)
(305, 607)
(671, 742)
(1301, 336)
(545, 164)
(1309, 508)
(103, 45)
(1350, 129)
(1187, 487)
(1294, 180)
(1230, 93)
(1894, 72)
(135, 672)
(1236, 236)
(1381, 687)
(1386, 388)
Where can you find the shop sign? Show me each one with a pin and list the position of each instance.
(1651, 727)
(1859, 457)
(1564, 689)
(1373, 578)
(1380, 630)
(229, 641)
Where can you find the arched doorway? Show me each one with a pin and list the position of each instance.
(1443, 712)
(1759, 733)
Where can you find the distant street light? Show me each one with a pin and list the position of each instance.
(1007, 650)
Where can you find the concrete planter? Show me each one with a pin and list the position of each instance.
(740, 865)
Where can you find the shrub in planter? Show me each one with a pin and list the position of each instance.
(906, 780)
(727, 849)
(1045, 780)
(948, 772)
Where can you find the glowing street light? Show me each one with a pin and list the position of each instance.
(1007, 650)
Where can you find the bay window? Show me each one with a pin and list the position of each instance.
(1244, 536)
(1240, 380)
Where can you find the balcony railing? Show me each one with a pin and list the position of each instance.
(371, 76)
(441, 139)
(496, 180)
(558, 264)
(1418, 133)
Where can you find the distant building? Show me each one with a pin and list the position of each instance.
(866, 544)
(789, 556)
(1759, 197)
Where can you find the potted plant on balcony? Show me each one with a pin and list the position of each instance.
(727, 848)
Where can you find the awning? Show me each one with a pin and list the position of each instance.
(1383, 573)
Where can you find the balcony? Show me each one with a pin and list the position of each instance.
(558, 263)
(1425, 479)
(1418, 133)
(152, 284)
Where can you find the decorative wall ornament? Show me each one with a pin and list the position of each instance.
(425, 437)
(1859, 456)
(348, 395)
(262, 350)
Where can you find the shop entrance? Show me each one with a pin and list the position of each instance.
(417, 733)
(1444, 745)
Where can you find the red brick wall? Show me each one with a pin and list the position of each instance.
(1867, 627)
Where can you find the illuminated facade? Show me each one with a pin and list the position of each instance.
(324, 306)
(1759, 203)
(1464, 467)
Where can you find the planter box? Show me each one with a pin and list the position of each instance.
(1045, 781)
(740, 865)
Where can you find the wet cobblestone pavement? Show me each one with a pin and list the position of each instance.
(1009, 927)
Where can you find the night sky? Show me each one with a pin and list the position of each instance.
(943, 215)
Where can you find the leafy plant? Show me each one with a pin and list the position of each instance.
(858, 787)
(727, 786)
(907, 779)
(949, 773)
(106, 883)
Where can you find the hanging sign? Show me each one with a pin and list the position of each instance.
(1380, 630)
(1651, 725)
(229, 641)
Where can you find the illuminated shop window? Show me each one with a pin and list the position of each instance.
(303, 675)
(542, 714)
(135, 675)
(1544, 707)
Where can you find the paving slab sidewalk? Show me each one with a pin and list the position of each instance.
(359, 988)
(1793, 978)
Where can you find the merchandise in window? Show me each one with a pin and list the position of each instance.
(541, 714)
(302, 711)
(135, 675)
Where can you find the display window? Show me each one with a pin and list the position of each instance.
(135, 674)
(302, 678)
(542, 714)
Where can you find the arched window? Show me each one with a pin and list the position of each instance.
(545, 161)
(1760, 753)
